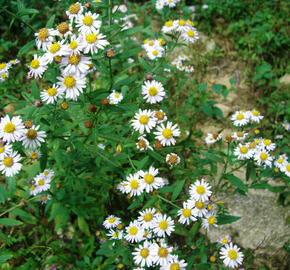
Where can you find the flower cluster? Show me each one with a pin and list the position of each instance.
(70, 45)
(14, 130)
(183, 28)
(154, 48)
(41, 183)
(115, 97)
(4, 68)
(180, 63)
(160, 4)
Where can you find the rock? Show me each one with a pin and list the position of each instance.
(209, 43)
(285, 79)
(9, 108)
(226, 110)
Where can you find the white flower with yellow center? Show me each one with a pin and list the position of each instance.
(33, 137)
(149, 179)
(209, 139)
(168, 27)
(200, 190)
(160, 116)
(143, 144)
(44, 198)
(34, 154)
(32, 190)
(44, 38)
(175, 264)
(122, 186)
(240, 118)
(240, 136)
(53, 50)
(41, 183)
(146, 218)
(134, 232)
(5, 150)
(115, 97)
(134, 185)
(190, 35)
(155, 52)
(144, 121)
(243, 152)
(150, 44)
(11, 130)
(180, 25)
(162, 253)
(255, 116)
(263, 157)
(4, 76)
(74, 11)
(75, 46)
(153, 91)
(48, 173)
(14, 62)
(163, 225)
(94, 41)
(186, 214)
(209, 221)
(199, 207)
(166, 134)
(72, 85)
(225, 239)
(268, 145)
(76, 63)
(9, 164)
(51, 94)
(189, 69)
(143, 254)
(286, 125)
(280, 162)
(111, 222)
(172, 159)
(159, 4)
(231, 255)
(115, 234)
(88, 23)
(37, 66)
(286, 169)
(4, 67)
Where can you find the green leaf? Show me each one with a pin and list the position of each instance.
(202, 87)
(49, 23)
(4, 258)
(217, 88)
(83, 225)
(177, 189)
(27, 11)
(3, 194)
(213, 157)
(26, 48)
(226, 219)
(206, 108)
(10, 222)
(34, 90)
(237, 182)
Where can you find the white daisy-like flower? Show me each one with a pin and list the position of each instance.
(190, 35)
(94, 41)
(150, 44)
(144, 121)
(115, 234)
(64, 30)
(226, 239)
(72, 85)
(209, 221)
(171, 3)
(163, 225)
(268, 144)
(160, 116)
(33, 137)
(209, 139)
(186, 214)
(51, 95)
(180, 25)
(175, 263)
(88, 23)
(153, 91)
(74, 11)
(134, 232)
(255, 116)
(189, 69)
(4, 67)
(44, 38)
(172, 159)
(4, 76)
(34, 154)
(37, 66)
(200, 190)
(9, 164)
(183, 57)
(111, 222)
(168, 27)
(240, 118)
(149, 179)
(159, 4)
(48, 173)
(280, 162)
(143, 254)
(44, 198)
(11, 130)
(166, 134)
(146, 218)
(53, 50)
(5, 150)
(286, 125)
(121, 8)
(263, 157)
(240, 136)
(143, 144)
(155, 52)
(33, 190)
(231, 255)
(41, 183)
(75, 46)
(115, 97)
(76, 63)
(122, 186)
(162, 253)
(286, 169)
(243, 152)
(199, 209)
(134, 185)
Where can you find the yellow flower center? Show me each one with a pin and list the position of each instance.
(174, 266)
(181, 22)
(244, 150)
(46, 172)
(224, 240)
(34, 155)
(51, 91)
(3, 75)
(190, 33)
(63, 27)
(211, 220)
(133, 231)
(149, 178)
(167, 133)
(252, 145)
(148, 217)
(43, 34)
(40, 182)
(91, 38)
(173, 159)
(88, 20)
(240, 116)
(186, 212)
(232, 254)
(2, 149)
(162, 252)
(142, 144)
(169, 23)
(189, 22)
(163, 225)
(111, 220)
(199, 205)
(276, 170)
(155, 53)
(55, 47)
(34, 63)
(74, 59)
(43, 198)
(117, 95)
(263, 156)
(159, 115)
(73, 45)
(200, 190)
(240, 134)
(144, 119)
(153, 91)
(151, 43)
(32, 187)
(134, 184)
(280, 161)
(210, 207)
(115, 235)
(288, 168)
(2, 65)
(8, 161)
(9, 128)
(69, 81)
(31, 134)
(255, 112)
(74, 9)
(267, 142)
(144, 253)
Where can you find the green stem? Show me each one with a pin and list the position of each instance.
(163, 199)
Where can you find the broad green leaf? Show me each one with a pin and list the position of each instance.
(202, 87)
(34, 90)
(10, 222)
(226, 219)
(178, 187)
(50, 22)
(26, 48)
(83, 225)
(236, 182)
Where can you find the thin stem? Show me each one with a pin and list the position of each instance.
(163, 199)
(131, 163)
